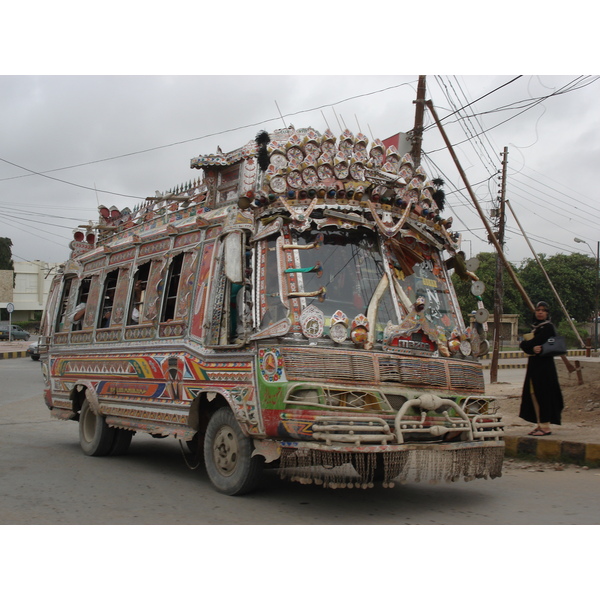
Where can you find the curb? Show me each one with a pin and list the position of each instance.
(520, 354)
(20, 354)
(579, 453)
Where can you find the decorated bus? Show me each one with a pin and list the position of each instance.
(290, 307)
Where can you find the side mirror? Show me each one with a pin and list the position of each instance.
(234, 254)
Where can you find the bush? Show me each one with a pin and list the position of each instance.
(564, 328)
(31, 326)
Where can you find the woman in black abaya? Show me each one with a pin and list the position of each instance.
(541, 401)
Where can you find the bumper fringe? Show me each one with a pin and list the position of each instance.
(363, 470)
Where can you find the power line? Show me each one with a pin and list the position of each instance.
(85, 187)
(533, 103)
(206, 136)
(36, 229)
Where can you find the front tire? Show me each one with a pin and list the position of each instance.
(96, 438)
(228, 456)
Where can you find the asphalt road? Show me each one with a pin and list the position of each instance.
(46, 479)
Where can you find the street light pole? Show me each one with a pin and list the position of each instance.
(596, 298)
(580, 241)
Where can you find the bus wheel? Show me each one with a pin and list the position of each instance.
(121, 442)
(228, 456)
(95, 436)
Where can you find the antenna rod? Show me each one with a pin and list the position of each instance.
(277, 105)
(324, 119)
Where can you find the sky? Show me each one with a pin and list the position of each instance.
(72, 142)
(102, 110)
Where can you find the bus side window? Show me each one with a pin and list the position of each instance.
(108, 298)
(61, 312)
(138, 294)
(227, 315)
(172, 288)
(80, 306)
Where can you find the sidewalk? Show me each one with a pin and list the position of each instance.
(15, 349)
(576, 443)
(569, 443)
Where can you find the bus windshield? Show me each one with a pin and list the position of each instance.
(348, 271)
(350, 266)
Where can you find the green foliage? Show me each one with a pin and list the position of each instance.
(6, 262)
(566, 330)
(511, 299)
(30, 326)
(572, 275)
(574, 279)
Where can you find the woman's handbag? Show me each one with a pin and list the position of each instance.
(555, 346)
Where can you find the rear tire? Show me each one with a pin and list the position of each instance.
(96, 438)
(228, 456)
(121, 442)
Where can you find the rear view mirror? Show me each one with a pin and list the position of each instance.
(234, 248)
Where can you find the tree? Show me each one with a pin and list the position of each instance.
(487, 274)
(572, 275)
(574, 279)
(6, 262)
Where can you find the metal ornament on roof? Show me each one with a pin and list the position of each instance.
(482, 315)
(477, 288)
(312, 321)
(465, 348)
(338, 330)
(472, 264)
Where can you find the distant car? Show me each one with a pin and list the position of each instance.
(17, 333)
(34, 351)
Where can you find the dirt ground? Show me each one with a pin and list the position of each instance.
(582, 402)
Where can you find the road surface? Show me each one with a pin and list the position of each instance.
(46, 479)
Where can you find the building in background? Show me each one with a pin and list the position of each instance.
(31, 285)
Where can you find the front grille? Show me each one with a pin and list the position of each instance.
(414, 371)
(467, 376)
(364, 368)
(305, 365)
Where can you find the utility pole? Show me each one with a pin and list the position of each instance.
(417, 132)
(499, 283)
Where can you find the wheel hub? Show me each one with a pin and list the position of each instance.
(226, 451)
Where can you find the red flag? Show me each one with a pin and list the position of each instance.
(392, 141)
(400, 140)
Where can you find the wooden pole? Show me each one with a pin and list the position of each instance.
(417, 132)
(499, 284)
(491, 235)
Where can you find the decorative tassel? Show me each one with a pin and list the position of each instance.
(439, 196)
(262, 139)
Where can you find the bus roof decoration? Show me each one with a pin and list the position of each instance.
(287, 169)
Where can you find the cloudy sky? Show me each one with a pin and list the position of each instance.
(85, 120)
(72, 142)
